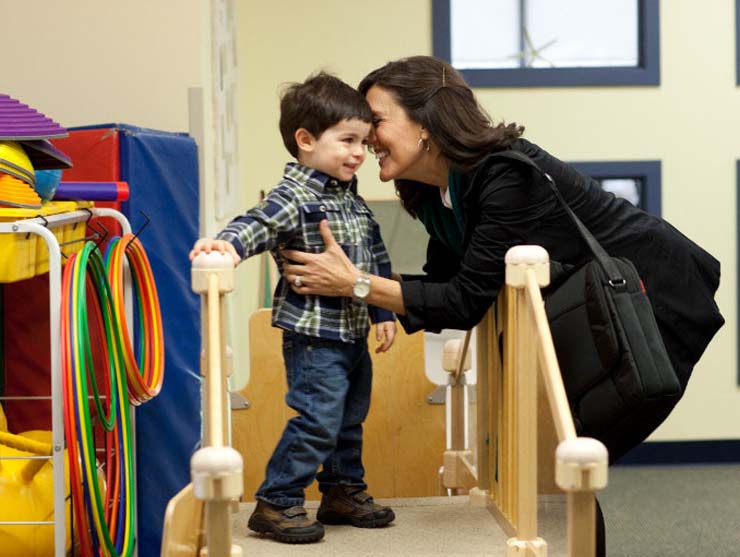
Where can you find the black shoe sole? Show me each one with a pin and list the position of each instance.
(310, 534)
(329, 517)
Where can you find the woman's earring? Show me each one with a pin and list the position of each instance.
(423, 142)
(419, 144)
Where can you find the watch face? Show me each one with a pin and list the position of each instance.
(361, 289)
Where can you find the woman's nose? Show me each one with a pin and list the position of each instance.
(371, 140)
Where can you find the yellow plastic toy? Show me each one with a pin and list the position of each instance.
(15, 161)
(26, 490)
(17, 193)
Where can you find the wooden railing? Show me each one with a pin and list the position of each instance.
(198, 519)
(522, 416)
(526, 438)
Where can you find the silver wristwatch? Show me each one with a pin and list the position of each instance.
(361, 288)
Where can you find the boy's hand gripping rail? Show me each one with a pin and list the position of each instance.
(216, 469)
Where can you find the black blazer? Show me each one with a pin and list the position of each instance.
(507, 203)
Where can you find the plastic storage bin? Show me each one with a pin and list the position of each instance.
(26, 255)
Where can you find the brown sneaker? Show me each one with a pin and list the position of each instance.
(351, 505)
(287, 524)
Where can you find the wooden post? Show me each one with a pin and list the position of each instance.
(215, 469)
(483, 393)
(580, 469)
(526, 421)
(508, 380)
(457, 415)
(521, 262)
(459, 473)
(214, 386)
(224, 372)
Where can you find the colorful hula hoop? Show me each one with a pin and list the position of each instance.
(93, 413)
(145, 372)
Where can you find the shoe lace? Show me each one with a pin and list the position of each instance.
(361, 496)
(292, 512)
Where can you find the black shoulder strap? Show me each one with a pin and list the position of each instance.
(611, 270)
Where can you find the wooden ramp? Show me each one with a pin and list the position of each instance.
(425, 526)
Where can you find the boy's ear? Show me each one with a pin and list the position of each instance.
(304, 139)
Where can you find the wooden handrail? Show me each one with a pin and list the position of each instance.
(510, 416)
(554, 387)
(462, 354)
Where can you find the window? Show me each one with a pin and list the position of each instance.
(737, 41)
(520, 43)
(639, 182)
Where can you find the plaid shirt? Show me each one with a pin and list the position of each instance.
(289, 217)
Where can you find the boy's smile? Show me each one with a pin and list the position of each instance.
(339, 151)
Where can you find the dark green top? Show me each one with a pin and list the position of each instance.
(441, 223)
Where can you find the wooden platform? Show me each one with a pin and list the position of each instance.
(423, 526)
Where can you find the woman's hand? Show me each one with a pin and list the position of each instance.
(330, 273)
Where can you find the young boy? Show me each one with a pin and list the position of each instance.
(325, 124)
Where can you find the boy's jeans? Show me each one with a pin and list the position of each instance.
(329, 385)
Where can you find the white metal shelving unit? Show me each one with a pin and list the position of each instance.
(42, 227)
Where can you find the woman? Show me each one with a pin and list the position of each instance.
(432, 138)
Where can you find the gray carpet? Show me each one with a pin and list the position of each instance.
(672, 511)
(661, 511)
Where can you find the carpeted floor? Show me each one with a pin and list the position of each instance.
(423, 526)
(672, 511)
(660, 511)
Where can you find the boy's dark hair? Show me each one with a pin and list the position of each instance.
(317, 104)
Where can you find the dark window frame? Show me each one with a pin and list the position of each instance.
(646, 73)
(737, 42)
(648, 172)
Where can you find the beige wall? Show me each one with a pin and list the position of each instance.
(97, 61)
(688, 122)
(90, 61)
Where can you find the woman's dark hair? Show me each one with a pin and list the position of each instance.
(435, 95)
(317, 104)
